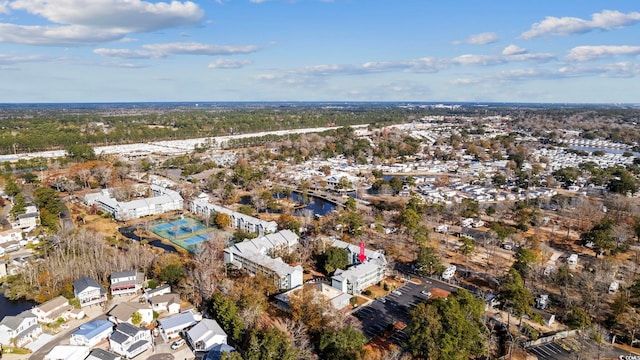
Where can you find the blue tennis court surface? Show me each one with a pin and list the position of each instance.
(186, 233)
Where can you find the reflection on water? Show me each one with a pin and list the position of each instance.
(11, 308)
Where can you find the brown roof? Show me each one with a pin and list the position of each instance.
(53, 304)
(125, 310)
(170, 298)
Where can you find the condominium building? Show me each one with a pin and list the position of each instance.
(255, 256)
(204, 208)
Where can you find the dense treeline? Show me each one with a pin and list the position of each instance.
(50, 131)
(25, 130)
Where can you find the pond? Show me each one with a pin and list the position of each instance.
(129, 232)
(313, 205)
(12, 308)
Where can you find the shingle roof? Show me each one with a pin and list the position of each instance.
(52, 304)
(84, 283)
(13, 322)
(93, 328)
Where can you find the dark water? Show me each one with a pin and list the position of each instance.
(129, 233)
(10, 308)
(313, 205)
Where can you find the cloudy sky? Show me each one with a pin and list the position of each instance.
(320, 50)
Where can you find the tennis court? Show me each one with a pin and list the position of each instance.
(186, 233)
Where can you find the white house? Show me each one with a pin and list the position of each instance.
(572, 259)
(22, 328)
(170, 327)
(129, 341)
(205, 335)
(167, 302)
(68, 352)
(52, 310)
(124, 312)
(254, 256)
(204, 208)
(10, 235)
(126, 282)
(27, 220)
(89, 292)
(160, 290)
(163, 200)
(91, 333)
(359, 275)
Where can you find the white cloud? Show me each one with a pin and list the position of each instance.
(586, 53)
(513, 50)
(606, 20)
(229, 64)
(480, 39)
(154, 51)
(89, 22)
(11, 59)
(127, 54)
(192, 48)
(128, 15)
(73, 35)
(4, 7)
(469, 59)
(465, 81)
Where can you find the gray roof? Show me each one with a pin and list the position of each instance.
(136, 345)
(122, 274)
(181, 320)
(99, 354)
(13, 322)
(124, 331)
(170, 298)
(205, 329)
(84, 282)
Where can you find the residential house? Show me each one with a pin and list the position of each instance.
(205, 335)
(100, 354)
(448, 273)
(52, 310)
(204, 208)
(160, 290)
(572, 259)
(129, 341)
(68, 352)
(254, 256)
(217, 350)
(124, 312)
(27, 221)
(21, 329)
(89, 292)
(92, 333)
(170, 327)
(163, 200)
(10, 235)
(126, 282)
(166, 303)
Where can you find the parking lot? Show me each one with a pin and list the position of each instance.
(383, 313)
(571, 348)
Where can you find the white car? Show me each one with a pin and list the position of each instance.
(396, 292)
(176, 344)
(64, 326)
(426, 293)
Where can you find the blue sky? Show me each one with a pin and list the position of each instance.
(320, 50)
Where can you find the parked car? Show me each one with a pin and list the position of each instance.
(426, 293)
(396, 292)
(176, 344)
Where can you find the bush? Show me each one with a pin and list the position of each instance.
(367, 292)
